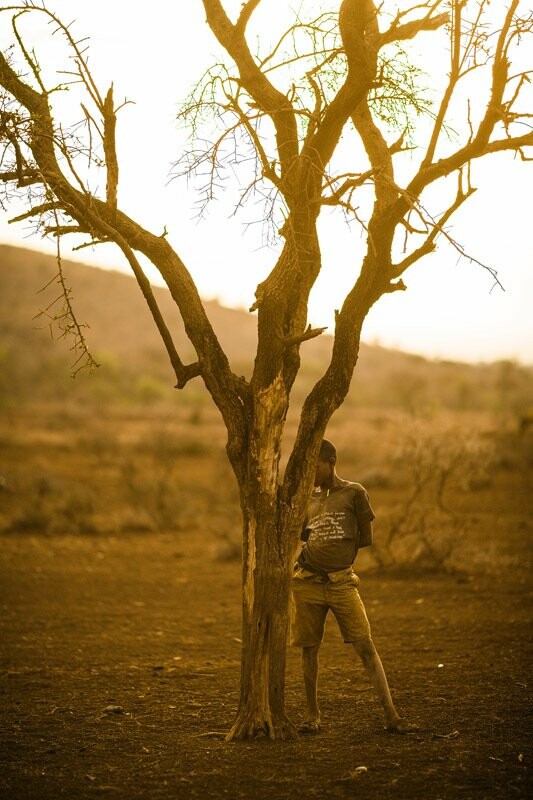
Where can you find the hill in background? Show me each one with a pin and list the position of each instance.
(35, 366)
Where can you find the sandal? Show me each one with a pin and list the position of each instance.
(402, 727)
(309, 726)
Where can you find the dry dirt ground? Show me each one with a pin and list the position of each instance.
(120, 671)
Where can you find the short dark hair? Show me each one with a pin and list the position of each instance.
(327, 451)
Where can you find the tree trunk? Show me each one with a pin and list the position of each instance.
(268, 542)
(266, 593)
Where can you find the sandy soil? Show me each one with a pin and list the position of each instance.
(120, 670)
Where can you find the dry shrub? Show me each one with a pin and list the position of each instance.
(513, 451)
(53, 506)
(152, 495)
(157, 491)
(433, 466)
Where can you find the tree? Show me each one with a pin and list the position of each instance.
(352, 73)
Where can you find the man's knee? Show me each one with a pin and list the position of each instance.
(365, 648)
(310, 656)
(310, 653)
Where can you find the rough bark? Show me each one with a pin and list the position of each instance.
(266, 575)
(266, 588)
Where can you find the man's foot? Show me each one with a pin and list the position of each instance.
(401, 726)
(310, 726)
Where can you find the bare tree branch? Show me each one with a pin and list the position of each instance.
(480, 144)
(22, 179)
(398, 286)
(268, 98)
(93, 216)
(348, 185)
(359, 33)
(247, 10)
(110, 122)
(428, 245)
(183, 372)
(408, 30)
(66, 319)
(309, 333)
(511, 143)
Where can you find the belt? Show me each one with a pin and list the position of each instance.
(320, 576)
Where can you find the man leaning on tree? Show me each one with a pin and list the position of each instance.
(338, 522)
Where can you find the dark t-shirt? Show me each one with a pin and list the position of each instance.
(332, 527)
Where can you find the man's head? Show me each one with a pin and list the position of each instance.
(325, 468)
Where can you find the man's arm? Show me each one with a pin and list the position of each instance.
(364, 515)
(366, 534)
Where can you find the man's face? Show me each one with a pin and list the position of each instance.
(324, 471)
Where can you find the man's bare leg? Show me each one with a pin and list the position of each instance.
(310, 672)
(368, 654)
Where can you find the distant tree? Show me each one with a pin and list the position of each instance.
(346, 69)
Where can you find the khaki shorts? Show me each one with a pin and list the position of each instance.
(312, 598)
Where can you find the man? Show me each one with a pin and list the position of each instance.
(338, 522)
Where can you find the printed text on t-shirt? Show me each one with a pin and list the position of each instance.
(327, 526)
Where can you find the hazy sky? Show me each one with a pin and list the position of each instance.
(154, 52)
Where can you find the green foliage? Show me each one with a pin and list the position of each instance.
(224, 124)
(401, 95)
